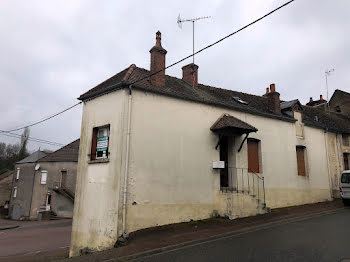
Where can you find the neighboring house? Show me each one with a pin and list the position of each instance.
(340, 102)
(23, 180)
(321, 103)
(5, 190)
(338, 142)
(167, 150)
(46, 184)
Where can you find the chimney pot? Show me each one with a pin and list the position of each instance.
(310, 100)
(272, 88)
(267, 90)
(190, 74)
(158, 62)
(321, 97)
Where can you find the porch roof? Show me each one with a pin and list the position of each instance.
(230, 125)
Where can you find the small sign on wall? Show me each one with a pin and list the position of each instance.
(218, 164)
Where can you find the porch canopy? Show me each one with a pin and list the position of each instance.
(228, 125)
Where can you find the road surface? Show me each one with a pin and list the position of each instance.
(32, 240)
(319, 238)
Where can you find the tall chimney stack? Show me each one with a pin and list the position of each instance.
(273, 100)
(158, 61)
(190, 74)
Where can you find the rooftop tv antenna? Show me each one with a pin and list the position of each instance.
(327, 73)
(193, 20)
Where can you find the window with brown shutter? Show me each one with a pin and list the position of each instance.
(100, 142)
(253, 155)
(301, 160)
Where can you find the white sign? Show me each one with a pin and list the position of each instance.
(218, 164)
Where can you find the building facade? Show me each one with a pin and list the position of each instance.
(157, 150)
(46, 184)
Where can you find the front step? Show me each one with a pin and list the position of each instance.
(236, 205)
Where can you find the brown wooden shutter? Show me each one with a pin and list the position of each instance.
(301, 161)
(253, 156)
(346, 161)
(94, 144)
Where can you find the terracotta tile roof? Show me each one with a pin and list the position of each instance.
(230, 122)
(68, 153)
(178, 88)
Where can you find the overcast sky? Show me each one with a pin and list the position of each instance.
(52, 51)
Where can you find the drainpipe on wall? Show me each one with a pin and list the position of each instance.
(31, 197)
(339, 153)
(125, 234)
(329, 175)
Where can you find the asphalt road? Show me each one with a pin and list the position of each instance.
(319, 238)
(34, 239)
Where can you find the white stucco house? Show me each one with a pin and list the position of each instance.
(166, 150)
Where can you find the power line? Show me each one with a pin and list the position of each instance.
(173, 64)
(215, 43)
(43, 120)
(32, 139)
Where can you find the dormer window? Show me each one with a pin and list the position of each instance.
(239, 100)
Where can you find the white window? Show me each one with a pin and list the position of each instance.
(14, 192)
(43, 177)
(17, 174)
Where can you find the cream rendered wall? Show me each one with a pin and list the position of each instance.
(170, 175)
(172, 148)
(95, 221)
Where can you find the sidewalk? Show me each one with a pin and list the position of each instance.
(163, 236)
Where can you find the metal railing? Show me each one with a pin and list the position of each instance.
(240, 180)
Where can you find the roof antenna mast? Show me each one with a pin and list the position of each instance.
(328, 73)
(179, 23)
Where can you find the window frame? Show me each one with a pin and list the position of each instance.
(94, 143)
(43, 181)
(257, 156)
(17, 173)
(14, 194)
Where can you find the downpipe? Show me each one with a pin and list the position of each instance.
(327, 155)
(126, 172)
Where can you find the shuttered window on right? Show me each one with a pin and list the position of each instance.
(301, 156)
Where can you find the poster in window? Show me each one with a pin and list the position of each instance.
(102, 143)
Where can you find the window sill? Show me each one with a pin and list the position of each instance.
(99, 161)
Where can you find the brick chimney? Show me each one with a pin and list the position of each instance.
(190, 74)
(273, 100)
(158, 61)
